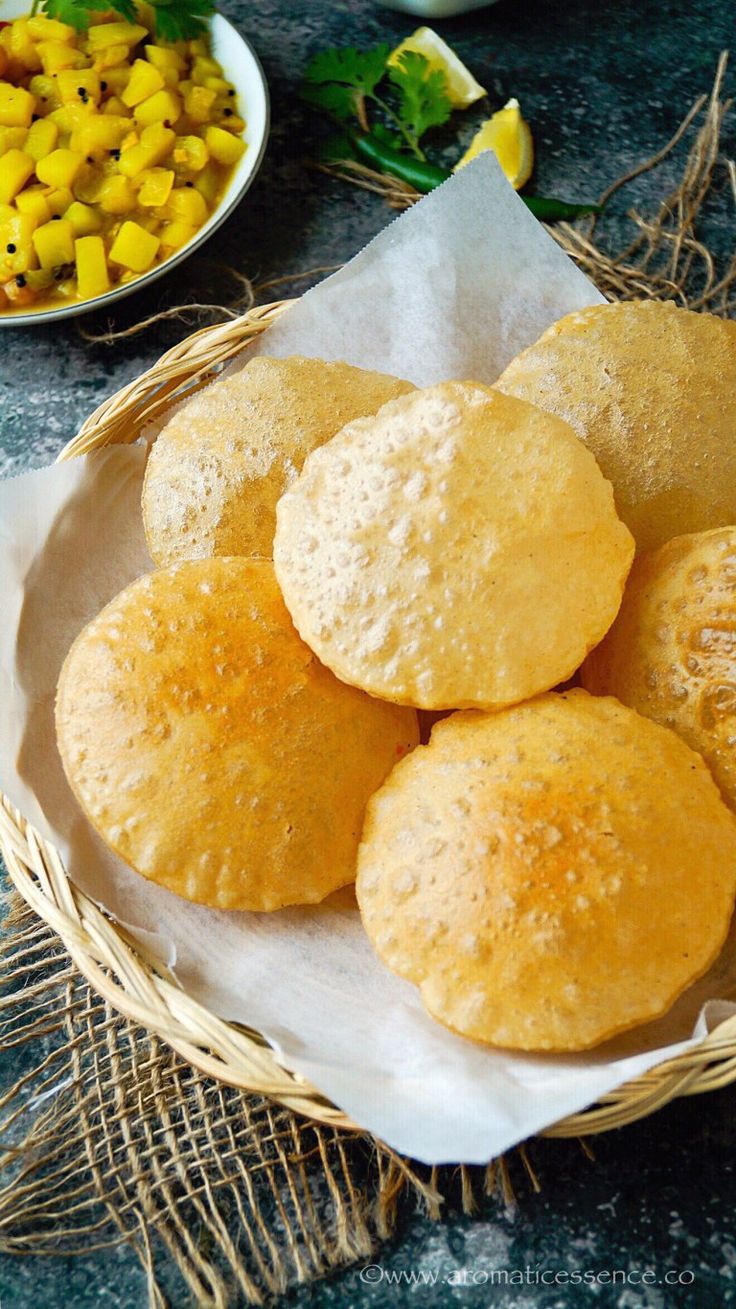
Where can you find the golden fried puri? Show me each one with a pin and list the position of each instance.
(459, 549)
(651, 389)
(671, 654)
(222, 461)
(211, 750)
(548, 875)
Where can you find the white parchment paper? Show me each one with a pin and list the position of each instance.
(454, 288)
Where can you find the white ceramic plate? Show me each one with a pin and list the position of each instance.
(242, 68)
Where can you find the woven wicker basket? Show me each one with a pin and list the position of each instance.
(140, 988)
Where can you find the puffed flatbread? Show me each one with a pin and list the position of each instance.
(211, 750)
(459, 549)
(651, 389)
(548, 875)
(671, 654)
(221, 462)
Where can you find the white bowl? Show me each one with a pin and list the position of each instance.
(437, 8)
(242, 68)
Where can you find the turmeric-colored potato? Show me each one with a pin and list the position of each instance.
(134, 247)
(98, 127)
(91, 262)
(54, 243)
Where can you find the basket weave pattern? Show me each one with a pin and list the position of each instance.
(139, 987)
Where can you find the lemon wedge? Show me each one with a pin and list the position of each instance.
(462, 87)
(509, 136)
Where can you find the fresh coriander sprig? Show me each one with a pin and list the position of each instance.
(344, 83)
(174, 20)
(410, 97)
(424, 101)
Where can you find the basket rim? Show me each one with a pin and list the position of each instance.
(139, 986)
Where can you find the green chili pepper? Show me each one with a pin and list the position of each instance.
(550, 210)
(424, 177)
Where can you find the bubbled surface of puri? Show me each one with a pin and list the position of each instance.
(548, 875)
(459, 549)
(221, 462)
(211, 750)
(671, 654)
(651, 389)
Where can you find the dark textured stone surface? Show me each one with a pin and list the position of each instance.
(604, 86)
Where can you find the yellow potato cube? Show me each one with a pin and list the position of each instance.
(17, 230)
(6, 212)
(41, 139)
(163, 107)
(99, 134)
(45, 91)
(34, 203)
(69, 117)
(204, 66)
(155, 144)
(59, 168)
(134, 247)
(42, 28)
(163, 57)
(16, 251)
(116, 195)
(79, 86)
(106, 34)
(110, 57)
(176, 234)
(114, 106)
(21, 46)
(198, 103)
(155, 189)
(144, 81)
(56, 55)
(191, 152)
(16, 106)
(216, 84)
(116, 79)
(92, 274)
(209, 182)
(87, 185)
(83, 218)
(13, 138)
(171, 78)
(223, 147)
(15, 169)
(233, 123)
(58, 200)
(150, 220)
(188, 205)
(54, 243)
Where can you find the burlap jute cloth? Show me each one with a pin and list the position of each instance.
(108, 1136)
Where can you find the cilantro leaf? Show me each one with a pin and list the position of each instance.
(385, 135)
(423, 98)
(76, 12)
(340, 101)
(360, 69)
(179, 20)
(175, 20)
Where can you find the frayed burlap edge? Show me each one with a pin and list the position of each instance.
(107, 1136)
